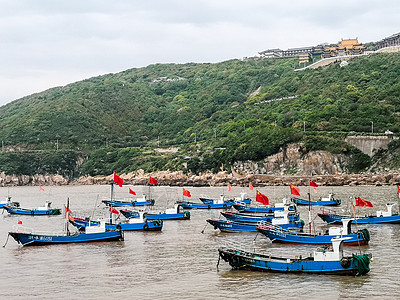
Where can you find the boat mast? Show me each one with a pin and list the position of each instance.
(112, 191)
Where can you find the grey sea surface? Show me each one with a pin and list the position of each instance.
(180, 262)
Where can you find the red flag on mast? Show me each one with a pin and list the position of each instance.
(186, 193)
(251, 186)
(294, 190)
(153, 181)
(131, 191)
(262, 198)
(361, 202)
(229, 187)
(114, 211)
(118, 180)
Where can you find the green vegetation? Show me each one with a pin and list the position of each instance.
(117, 120)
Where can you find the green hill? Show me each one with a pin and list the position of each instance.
(247, 109)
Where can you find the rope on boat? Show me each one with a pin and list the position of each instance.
(363, 264)
(6, 241)
(219, 258)
(204, 228)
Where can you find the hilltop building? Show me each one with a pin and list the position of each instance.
(393, 40)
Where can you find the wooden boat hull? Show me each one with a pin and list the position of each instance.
(240, 217)
(240, 259)
(337, 219)
(32, 212)
(128, 203)
(155, 225)
(30, 239)
(300, 201)
(231, 226)
(282, 236)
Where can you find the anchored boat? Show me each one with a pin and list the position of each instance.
(40, 211)
(174, 213)
(238, 226)
(278, 234)
(381, 217)
(140, 223)
(286, 204)
(328, 201)
(325, 260)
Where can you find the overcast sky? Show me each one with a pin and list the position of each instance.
(48, 43)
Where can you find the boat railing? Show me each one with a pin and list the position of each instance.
(241, 246)
(325, 210)
(29, 230)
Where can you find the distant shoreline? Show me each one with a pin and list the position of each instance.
(166, 178)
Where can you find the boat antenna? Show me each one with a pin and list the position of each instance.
(112, 190)
(95, 205)
(66, 214)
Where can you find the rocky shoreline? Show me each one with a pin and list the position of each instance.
(167, 178)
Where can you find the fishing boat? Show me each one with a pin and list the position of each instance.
(325, 260)
(242, 199)
(217, 204)
(174, 213)
(131, 224)
(241, 226)
(381, 217)
(286, 204)
(327, 201)
(91, 234)
(97, 233)
(40, 211)
(143, 201)
(8, 202)
(278, 234)
(253, 218)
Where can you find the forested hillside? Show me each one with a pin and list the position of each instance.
(214, 114)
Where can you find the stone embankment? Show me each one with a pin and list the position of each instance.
(208, 179)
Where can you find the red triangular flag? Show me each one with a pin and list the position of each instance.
(294, 190)
(313, 183)
(19, 222)
(153, 181)
(114, 211)
(229, 187)
(131, 191)
(118, 180)
(251, 186)
(42, 188)
(262, 198)
(186, 193)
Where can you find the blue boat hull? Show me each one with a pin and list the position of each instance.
(155, 225)
(337, 219)
(190, 205)
(128, 203)
(230, 226)
(29, 239)
(254, 219)
(310, 239)
(240, 259)
(32, 212)
(178, 216)
(264, 210)
(300, 201)
(212, 201)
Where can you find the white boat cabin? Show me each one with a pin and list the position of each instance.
(329, 198)
(100, 227)
(342, 230)
(174, 210)
(286, 204)
(143, 198)
(280, 217)
(332, 253)
(46, 206)
(388, 213)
